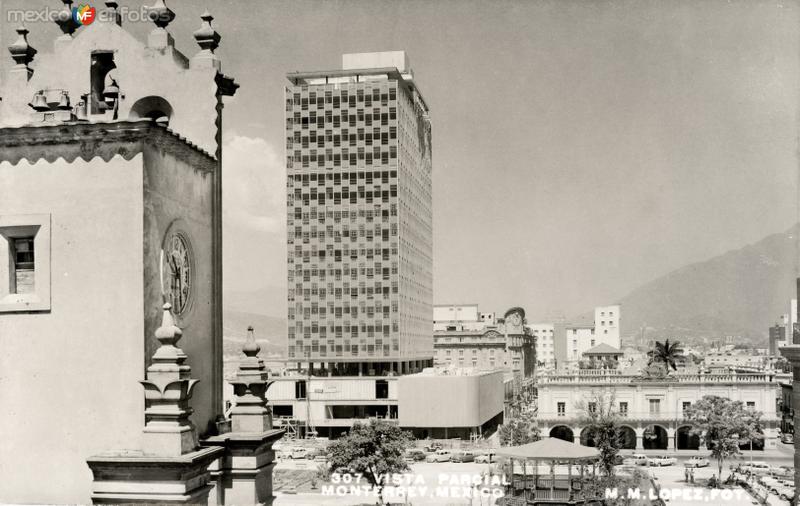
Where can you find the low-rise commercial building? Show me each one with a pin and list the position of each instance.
(437, 404)
(451, 405)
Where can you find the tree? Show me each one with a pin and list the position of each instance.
(518, 430)
(666, 353)
(723, 425)
(374, 450)
(601, 420)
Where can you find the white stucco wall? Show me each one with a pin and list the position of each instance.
(69, 377)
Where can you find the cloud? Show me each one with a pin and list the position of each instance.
(253, 186)
(254, 215)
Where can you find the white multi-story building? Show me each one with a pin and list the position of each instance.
(565, 345)
(789, 322)
(543, 335)
(606, 326)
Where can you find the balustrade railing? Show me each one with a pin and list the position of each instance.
(665, 415)
(610, 376)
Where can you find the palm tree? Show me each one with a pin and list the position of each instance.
(666, 353)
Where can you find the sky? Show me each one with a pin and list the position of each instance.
(580, 149)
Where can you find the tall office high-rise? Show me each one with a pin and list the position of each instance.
(359, 213)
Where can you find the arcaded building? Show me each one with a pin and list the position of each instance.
(358, 158)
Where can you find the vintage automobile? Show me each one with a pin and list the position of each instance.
(415, 455)
(463, 456)
(432, 447)
(785, 472)
(787, 438)
(485, 458)
(785, 492)
(662, 460)
(439, 456)
(637, 459)
(697, 462)
(756, 468)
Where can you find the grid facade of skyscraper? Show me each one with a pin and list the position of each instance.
(359, 216)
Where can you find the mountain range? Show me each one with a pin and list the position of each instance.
(742, 292)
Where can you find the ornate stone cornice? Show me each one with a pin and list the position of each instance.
(71, 140)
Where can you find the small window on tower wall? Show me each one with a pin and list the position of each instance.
(25, 263)
(24, 275)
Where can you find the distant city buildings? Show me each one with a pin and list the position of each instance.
(777, 338)
(790, 321)
(465, 337)
(562, 344)
(783, 332)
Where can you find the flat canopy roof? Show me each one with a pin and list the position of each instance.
(550, 448)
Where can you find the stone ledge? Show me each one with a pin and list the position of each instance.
(244, 437)
(71, 140)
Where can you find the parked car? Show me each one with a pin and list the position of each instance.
(439, 456)
(463, 456)
(787, 438)
(415, 455)
(786, 472)
(637, 459)
(756, 468)
(786, 493)
(697, 462)
(432, 447)
(485, 458)
(662, 460)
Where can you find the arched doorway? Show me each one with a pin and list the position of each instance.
(587, 437)
(686, 440)
(627, 438)
(562, 432)
(655, 438)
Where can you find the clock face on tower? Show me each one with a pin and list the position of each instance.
(176, 270)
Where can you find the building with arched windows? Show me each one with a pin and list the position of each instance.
(651, 409)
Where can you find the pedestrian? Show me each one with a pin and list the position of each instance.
(686, 474)
(691, 474)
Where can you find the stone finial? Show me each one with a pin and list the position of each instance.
(207, 38)
(160, 14)
(251, 348)
(21, 51)
(168, 432)
(65, 21)
(250, 414)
